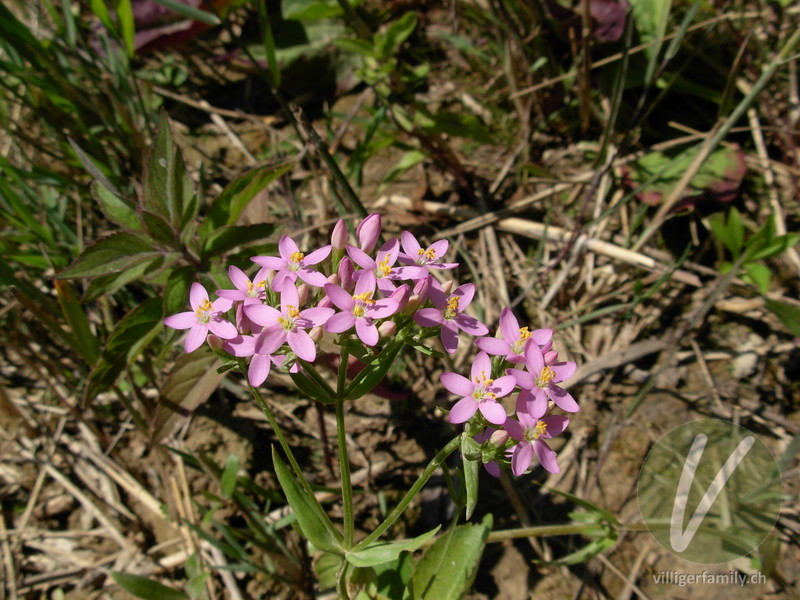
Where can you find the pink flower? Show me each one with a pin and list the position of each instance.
(368, 232)
(513, 340)
(479, 392)
(429, 257)
(293, 264)
(383, 265)
(287, 325)
(339, 235)
(205, 316)
(360, 309)
(449, 314)
(245, 288)
(531, 430)
(540, 381)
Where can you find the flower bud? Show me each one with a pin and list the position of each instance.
(339, 235)
(302, 293)
(447, 287)
(421, 289)
(412, 305)
(316, 333)
(498, 438)
(402, 295)
(346, 274)
(215, 342)
(387, 329)
(550, 357)
(368, 232)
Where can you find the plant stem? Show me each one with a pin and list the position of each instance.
(398, 510)
(541, 530)
(344, 459)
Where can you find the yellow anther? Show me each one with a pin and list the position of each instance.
(292, 311)
(547, 375)
(524, 334)
(430, 254)
(358, 311)
(420, 252)
(365, 298)
(384, 267)
(452, 307)
(205, 306)
(296, 257)
(262, 284)
(541, 428)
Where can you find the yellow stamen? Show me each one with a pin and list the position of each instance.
(205, 306)
(366, 298)
(536, 432)
(547, 376)
(296, 257)
(384, 267)
(292, 311)
(524, 334)
(452, 307)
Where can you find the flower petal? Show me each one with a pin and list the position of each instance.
(532, 402)
(312, 277)
(493, 411)
(184, 320)
(224, 329)
(410, 244)
(383, 308)
(269, 262)
(492, 468)
(361, 258)
(340, 298)
(470, 324)
(521, 458)
(258, 371)
(428, 317)
(556, 424)
(524, 379)
(196, 338)
(534, 359)
(562, 398)
(542, 336)
(367, 332)
(457, 384)
(262, 315)
(317, 256)
(481, 366)
(547, 458)
(238, 278)
(563, 370)
(287, 247)
(509, 326)
(269, 340)
(514, 429)
(503, 386)
(316, 316)
(463, 410)
(289, 297)
(494, 346)
(465, 294)
(241, 346)
(340, 322)
(449, 335)
(197, 295)
(439, 249)
(302, 345)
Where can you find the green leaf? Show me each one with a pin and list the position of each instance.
(115, 209)
(142, 587)
(129, 337)
(788, 314)
(730, 231)
(314, 523)
(470, 447)
(590, 550)
(602, 513)
(229, 476)
(229, 237)
(374, 372)
(775, 246)
(190, 12)
(196, 586)
(310, 10)
(89, 164)
(759, 274)
(394, 577)
(388, 43)
(383, 552)
(126, 24)
(158, 230)
(269, 45)
(78, 322)
(100, 10)
(167, 188)
(111, 254)
(310, 388)
(108, 284)
(190, 382)
(226, 209)
(448, 568)
(458, 125)
(327, 569)
(176, 292)
(356, 46)
(408, 160)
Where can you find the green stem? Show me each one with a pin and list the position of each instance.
(319, 379)
(541, 530)
(287, 450)
(344, 459)
(398, 510)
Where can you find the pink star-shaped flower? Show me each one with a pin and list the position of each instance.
(479, 392)
(514, 338)
(293, 264)
(449, 313)
(205, 316)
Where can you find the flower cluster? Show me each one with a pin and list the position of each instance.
(278, 318)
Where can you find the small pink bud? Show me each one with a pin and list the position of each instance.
(302, 293)
(325, 302)
(368, 232)
(447, 287)
(402, 295)
(346, 273)
(421, 288)
(387, 329)
(339, 235)
(413, 304)
(550, 357)
(214, 341)
(546, 347)
(499, 438)
(315, 333)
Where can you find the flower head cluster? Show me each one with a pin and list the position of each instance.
(374, 292)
